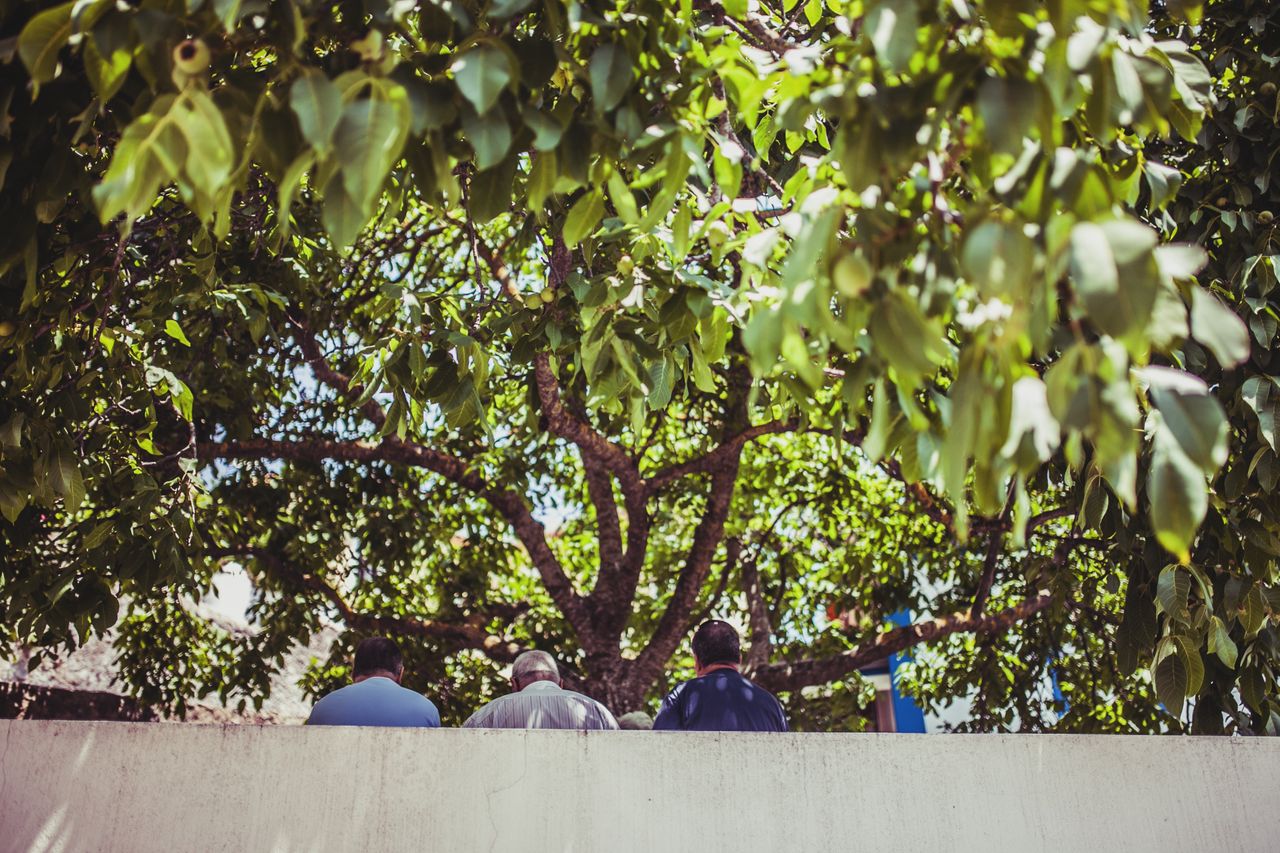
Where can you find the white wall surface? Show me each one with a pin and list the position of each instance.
(73, 786)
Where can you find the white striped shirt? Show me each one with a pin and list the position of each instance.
(542, 705)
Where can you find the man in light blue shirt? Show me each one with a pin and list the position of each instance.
(375, 697)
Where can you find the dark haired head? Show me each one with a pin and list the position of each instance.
(378, 654)
(716, 642)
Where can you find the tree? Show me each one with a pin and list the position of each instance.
(563, 324)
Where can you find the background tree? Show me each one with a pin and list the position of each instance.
(497, 324)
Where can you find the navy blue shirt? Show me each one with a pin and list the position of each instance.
(721, 701)
(375, 701)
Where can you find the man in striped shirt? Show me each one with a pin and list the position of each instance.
(540, 702)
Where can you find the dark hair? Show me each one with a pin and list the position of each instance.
(378, 653)
(716, 642)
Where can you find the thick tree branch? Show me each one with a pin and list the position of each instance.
(733, 551)
(761, 631)
(614, 593)
(510, 504)
(988, 574)
(674, 623)
(600, 492)
(757, 28)
(327, 375)
(675, 620)
(793, 676)
(470, 634)
(935, 509)
(730, 449)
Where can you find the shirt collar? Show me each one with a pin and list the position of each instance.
(542, 684)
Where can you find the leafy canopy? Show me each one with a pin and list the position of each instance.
(564, 323)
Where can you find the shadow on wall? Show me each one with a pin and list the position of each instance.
(20, 701)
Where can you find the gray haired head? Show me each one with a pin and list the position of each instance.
(534, 666)
(636, 721)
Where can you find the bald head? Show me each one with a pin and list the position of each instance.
(533, 666)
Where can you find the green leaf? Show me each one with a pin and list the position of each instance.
(12, 500)
(228, 12)
(851, 274)
(507, 8)
(662, 375)
(1221, 644)
(367, 142)
(1195, 664)
(1172, 677)
(1104, 256)
(65, 477)
(1172, 588)
(1253, 613)
(1176, 488)
(85, 14)
(210, 158)
(1137, 628)
(97, 535)
(583, 217)
(547, 131)
(318, 105)
(912, 344)
(1262, 395)
(1007, 107)
(1218, 328)
(183, 400)
(1253, 688)
(610, 73)
(623, 201)
(288, 188)
(999, 259)
(11, 431)
(542, 180)
(1164, 183)
(490, 138)
(490, 191)
(703, 378)
(173, 330)
(106, 73)
(876, 442)
(481, 74)
(1034, 433)
(42, 39)
(1093, 267)
(1181, 261)
(795, 352)
(1192, 414)
(183, 139)
(891, 26)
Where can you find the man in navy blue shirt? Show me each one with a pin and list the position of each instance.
(375, 697)
(720, 699)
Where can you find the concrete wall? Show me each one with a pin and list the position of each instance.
(68, 786)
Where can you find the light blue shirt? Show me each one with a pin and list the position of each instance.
(375, 701)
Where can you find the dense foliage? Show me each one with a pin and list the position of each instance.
(510, 323)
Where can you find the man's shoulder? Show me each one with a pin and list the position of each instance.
(487, 710)
(577, 697)
(333, 697)
(685, 689)
(604, 717)
(760, 690)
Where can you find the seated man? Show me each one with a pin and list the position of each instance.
(375, 697)
(539, 702)
(719, 699)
